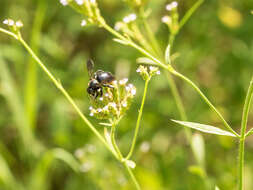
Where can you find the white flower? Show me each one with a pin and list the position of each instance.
(132, 17)
(91, 114)
(113, 105)
(171, 6)
(166, 19)
(106, 95)
(133, 91)
(152, 68)
(101, 98)
(90, 108)
(79, 2)
(6, 21)
(118, 26)
(138, 70)
(123, 81)
(19, 24)
(158, 72)
(11, 22)
(129, 18)
(64, 2)
(99, 110)
(83, 23)
(124, 104)
(145, 146)
(93, 1)
(105, 108)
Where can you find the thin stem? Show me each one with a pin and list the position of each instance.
(130, 43)
(114, 144)
(189, 13)
(150, 33)
(132, 176)
(138, 120)
(9, 33)
(243, 131)
(174, 72)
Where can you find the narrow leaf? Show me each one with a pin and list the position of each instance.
(145, 60)
(205, 128)
(167, 55)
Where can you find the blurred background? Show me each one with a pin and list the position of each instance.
(43, 142)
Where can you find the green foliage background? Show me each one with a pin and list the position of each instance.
(215, 50)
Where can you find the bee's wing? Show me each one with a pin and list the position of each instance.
(90, 67)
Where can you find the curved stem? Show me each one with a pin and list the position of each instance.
(243, 131)
(174, 72)
(114, 144)
(138, 120)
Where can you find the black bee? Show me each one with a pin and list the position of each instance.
(98, 80)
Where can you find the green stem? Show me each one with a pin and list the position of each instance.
(138, 120)
(114, 144)
(132, 176)
(174, 72)
(150, 33)
(243, 131)
(189, 13)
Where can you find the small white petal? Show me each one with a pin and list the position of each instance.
(124, 104)
(166, 19)
(131, 85)
(64, 2)
(101, 99)
(99, 110)
(118, 26)
(91, 114)
(123, 81)
(106, 95)
(90, 108)
(83, 23)
(132, 17)
(133, 91)
(79, 2)
(19, 24)
(105, 108)
(138, 70)
(6, 21)
(11, 22)
(113, 105)
(93, 1)
(126, 19)
(158, 72)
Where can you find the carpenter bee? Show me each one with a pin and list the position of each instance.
(98, 80)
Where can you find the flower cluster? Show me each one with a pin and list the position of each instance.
(172, 20)
(87, 7)
(114, 102)
(14, 25)
(124, 24)
(147, 72)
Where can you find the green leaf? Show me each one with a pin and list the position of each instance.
(205, 128)
(145, 60)
(167, 55)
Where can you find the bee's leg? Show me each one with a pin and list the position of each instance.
(108, 85)
(99, 92)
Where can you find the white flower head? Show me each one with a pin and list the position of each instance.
(79, 2)
(123, 81)
(118, 26)
(83, 22)
(129, 18)
(158, 72)
(99, 110)
(93, 2)
(124, 104)
(90, 108)
(11, 22)
(6, 21)
(19, 24)
(133, 91)
(64, 2)
(166, 19)
(171, 6)
(101, 98)
(91, 114)
(105, 108)
(106, 95)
